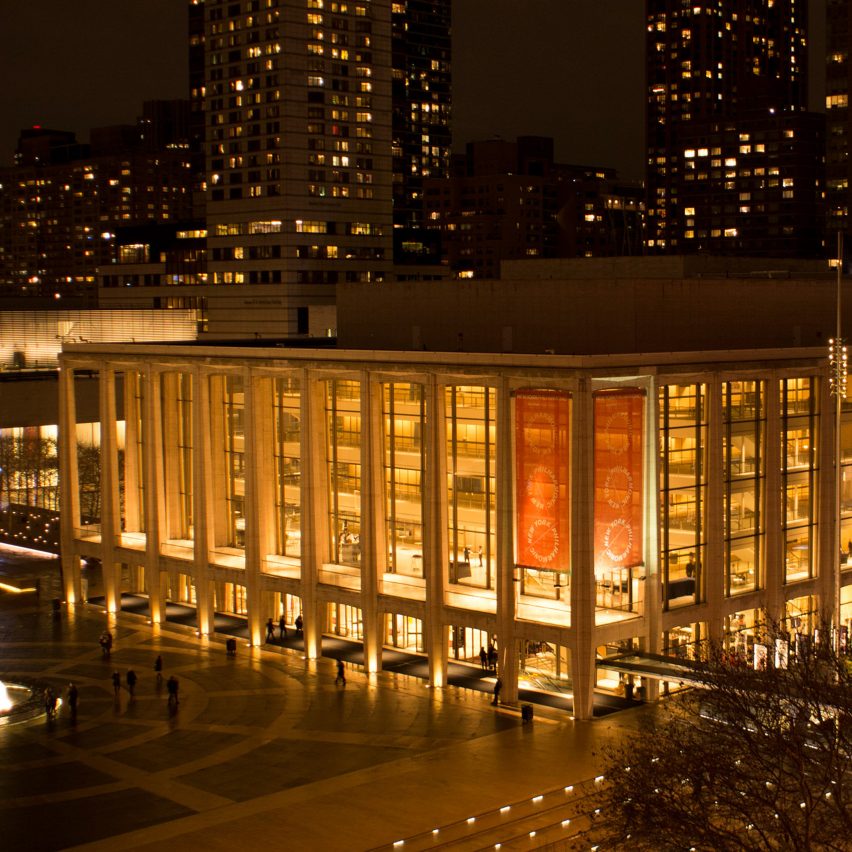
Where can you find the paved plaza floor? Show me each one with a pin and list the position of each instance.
(265, 750)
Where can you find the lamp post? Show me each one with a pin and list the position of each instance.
(838, 368)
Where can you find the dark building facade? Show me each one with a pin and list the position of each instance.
(838, 168)
(510, 200)
(729, 80)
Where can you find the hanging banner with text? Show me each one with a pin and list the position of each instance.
(618, 478)
(542, 465)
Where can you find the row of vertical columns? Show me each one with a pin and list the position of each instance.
(435, 545)
(69, 494)
(774, 562)
(109, 487)
(314, 516)
(252, 435)
(829, 475)
(373, 546)
(713, 573)
(152, 434)
(582, 635)
(506, 585)
(651, 532)
(202, 495)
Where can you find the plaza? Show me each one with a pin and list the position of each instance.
(263, 749)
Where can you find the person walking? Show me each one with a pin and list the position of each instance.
(172, 687)
(299, 624)
(116, 683)
(158, 669)
(498, 687)
(49, 702)
(72, 700)
(483, 657)
(270, 630)
(492, 657)
(130, 677)
(282, 627)
(341, 672)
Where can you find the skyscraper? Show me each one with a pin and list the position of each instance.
(421, 119)
(309, 127)
(838, 117)
(734, 160)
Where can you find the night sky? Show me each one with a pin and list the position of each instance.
(571, 69)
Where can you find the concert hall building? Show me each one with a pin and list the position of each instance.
(614, 476)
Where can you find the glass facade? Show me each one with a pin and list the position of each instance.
(683, 492)
(343, 434)
(286, 451)
(403, 417)
(233, 410)
(798, 476)
(471, 432)
(744, 428)
(178, 454)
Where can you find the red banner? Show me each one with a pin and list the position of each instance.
(618, 478)
(542, 463)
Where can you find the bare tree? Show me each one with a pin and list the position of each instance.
(89, 474)
(756, 758)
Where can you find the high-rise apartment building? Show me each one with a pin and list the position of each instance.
(62, 201)
(421, 120)
(734, 161)
(838, 116)
(312, 134)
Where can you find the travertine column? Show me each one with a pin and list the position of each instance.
(202, 497)
(507, 588)
(264, 439)
(435, 549)
(314, 510)
(653, 605)
(774, 564)
(712, 575)
(582, 553)
(373, 560)
(109, 488)
(70, 485)
(152, 456)
(132, 513)
(829, 545)
(254, 603)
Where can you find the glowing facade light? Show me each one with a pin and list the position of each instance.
(838, 360)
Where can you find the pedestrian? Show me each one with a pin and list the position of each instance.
(282, 627)
(466, 554)
(108, 643)
(479, 553)
(72, 699)
(131, 681)
(172, 687)
(102, 641)
(158, 669)
(483, 658)
(299, 624)
(49, 702)
(270, 630)
(116, 683)
(341, 673)
(498, 686)
(492, 657)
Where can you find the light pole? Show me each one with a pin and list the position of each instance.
(838, 368)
